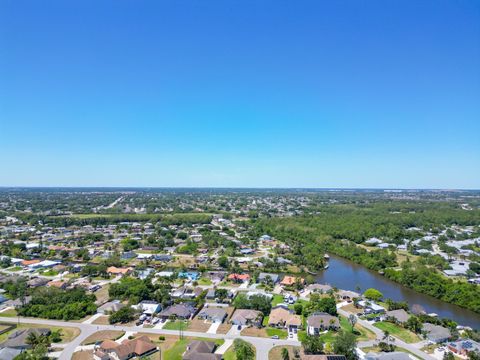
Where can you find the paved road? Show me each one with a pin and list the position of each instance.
(262, 345)
(410, 347)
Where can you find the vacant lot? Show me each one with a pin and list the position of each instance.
(102, 294)
(101, 320)
(276, 352)
(83, 355)
(103, 335)
(177, 325)
(395, 330)
(198, 325)
(264, 332)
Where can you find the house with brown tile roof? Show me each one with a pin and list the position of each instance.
(282, 317)
(113, 270)
(141, 346)
(291, 280)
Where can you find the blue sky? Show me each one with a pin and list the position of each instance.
(240, 93)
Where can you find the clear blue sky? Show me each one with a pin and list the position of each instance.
(240, 93)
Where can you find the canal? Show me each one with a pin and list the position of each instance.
(347, 275)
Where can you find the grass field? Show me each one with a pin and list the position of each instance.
(276, 352)
(364, 334)
(204, 281)
(395, 330)
(177, 325)
(9, 313)
(277, 299)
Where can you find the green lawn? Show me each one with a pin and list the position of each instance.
(395, 330)
(230, 354)
(362, 333)
(282, 334)
(177, 325)
(277, 299)
(265, 320)
(15, 268)
(204, 281)
(9, 313)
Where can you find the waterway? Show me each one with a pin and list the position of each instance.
(347, 275)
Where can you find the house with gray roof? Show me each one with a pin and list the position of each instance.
(399, 315)
(318, 322)
(436, 333)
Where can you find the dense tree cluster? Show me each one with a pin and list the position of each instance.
(53, 303)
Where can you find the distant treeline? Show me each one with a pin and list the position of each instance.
(336, 229)
(106, 219)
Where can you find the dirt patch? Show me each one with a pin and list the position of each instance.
(351, 308)
(83, 355)
(103, 335)
(254, 331)
(224, 328)
(276, 352)
(198, 325)
(101, 320)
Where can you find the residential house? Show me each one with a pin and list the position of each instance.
(322, 357)
(399, 316)
(247, 317)
(347, 295)
(395, 355)
(148, 307)
(436, 333)
(319, 288)
(291, 280)
(239, 278)
(110, 307)
(18, 339)
(111, 350)
(179, 311)
(113, 270)
(463, 347)
(213, 314)
(319, 322)
(266, 277)
(370, 307)
(201, 350)
(282, 317)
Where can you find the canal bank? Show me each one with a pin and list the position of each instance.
(347, 275)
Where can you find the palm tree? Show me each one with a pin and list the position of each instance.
(386, 336)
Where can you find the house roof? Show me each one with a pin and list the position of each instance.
(201, 350)
(242, 277)
(213, 312)
(115, 270)
(396, 355)
(400, 315)
(244, 315)
(436, 332)
(281, 314)
(139, 346)
(180, 310)
(18, 339)
(319, 320)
